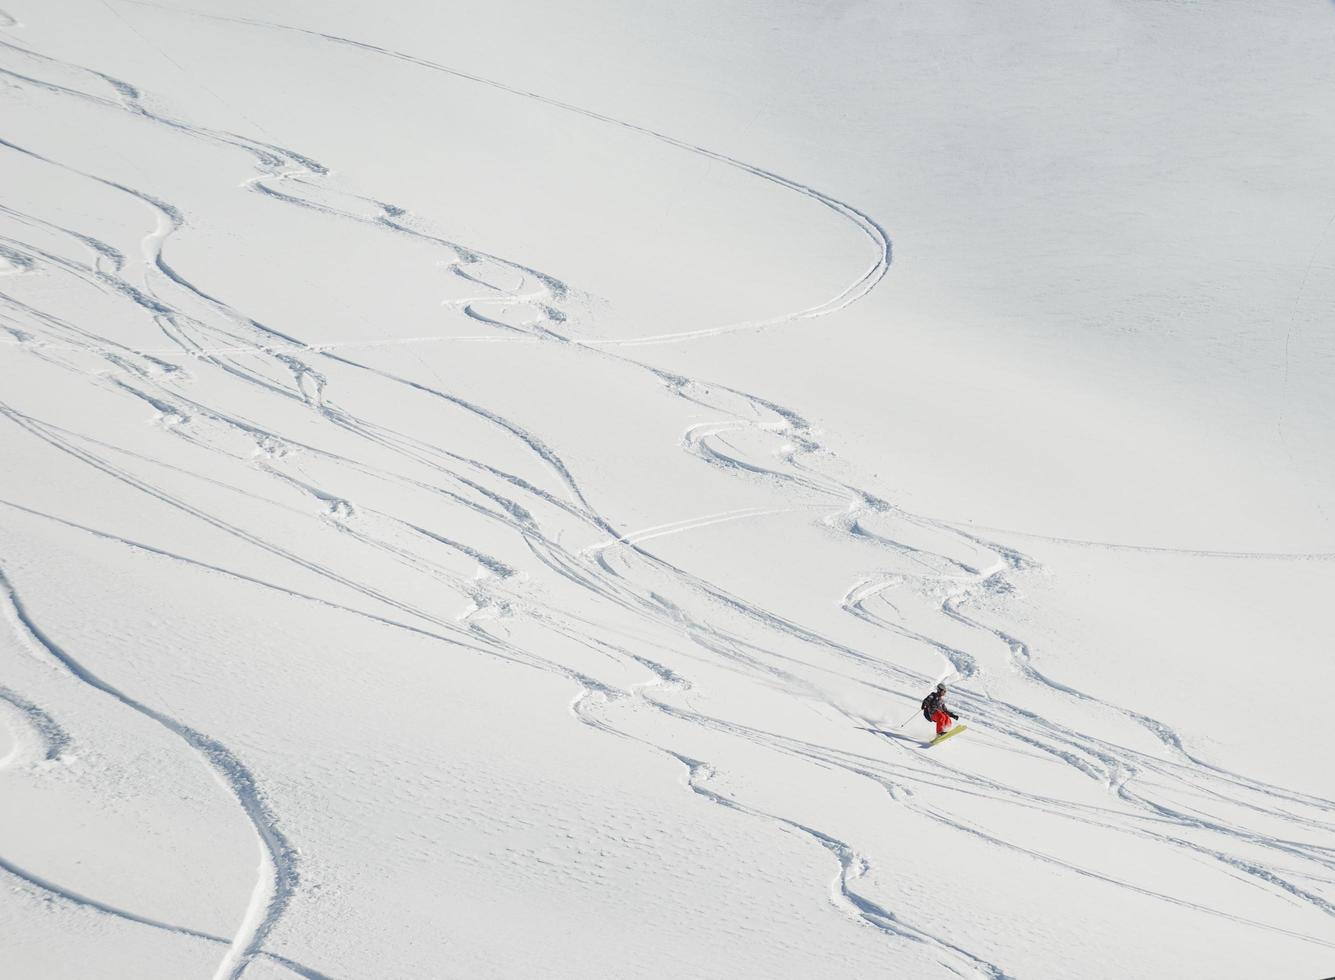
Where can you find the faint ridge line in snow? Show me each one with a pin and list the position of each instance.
(865, 224)
(1293, 315)
(277, 872)
(191, 76)
(1152, 549)
(691, 524)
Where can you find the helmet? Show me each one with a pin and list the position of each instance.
(940, 689)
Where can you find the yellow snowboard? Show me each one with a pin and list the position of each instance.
(945, 735)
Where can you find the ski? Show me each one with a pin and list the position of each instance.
(945, 735)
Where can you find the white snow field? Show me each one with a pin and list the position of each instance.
(485, 487)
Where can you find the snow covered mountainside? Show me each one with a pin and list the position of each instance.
(484, 489)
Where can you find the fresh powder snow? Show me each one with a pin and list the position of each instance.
(486, 488)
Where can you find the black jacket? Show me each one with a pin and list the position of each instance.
(933, 703)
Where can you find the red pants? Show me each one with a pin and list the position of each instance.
(942, 721)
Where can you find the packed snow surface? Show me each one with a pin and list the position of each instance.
(485, 488)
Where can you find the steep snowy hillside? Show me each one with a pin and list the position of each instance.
(485, 489)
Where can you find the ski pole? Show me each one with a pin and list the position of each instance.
(908, 719)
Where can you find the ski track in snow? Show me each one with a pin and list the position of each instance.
(41, 886)
(37, 736)
(865, 224)
(278, 875)
(934, 569)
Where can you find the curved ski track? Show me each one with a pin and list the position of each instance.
(930, 565)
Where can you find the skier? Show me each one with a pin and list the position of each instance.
(934, 709)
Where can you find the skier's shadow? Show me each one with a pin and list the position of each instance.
(897, 736)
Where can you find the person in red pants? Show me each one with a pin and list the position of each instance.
(934, 709)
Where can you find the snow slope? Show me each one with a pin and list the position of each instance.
(484, 486)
